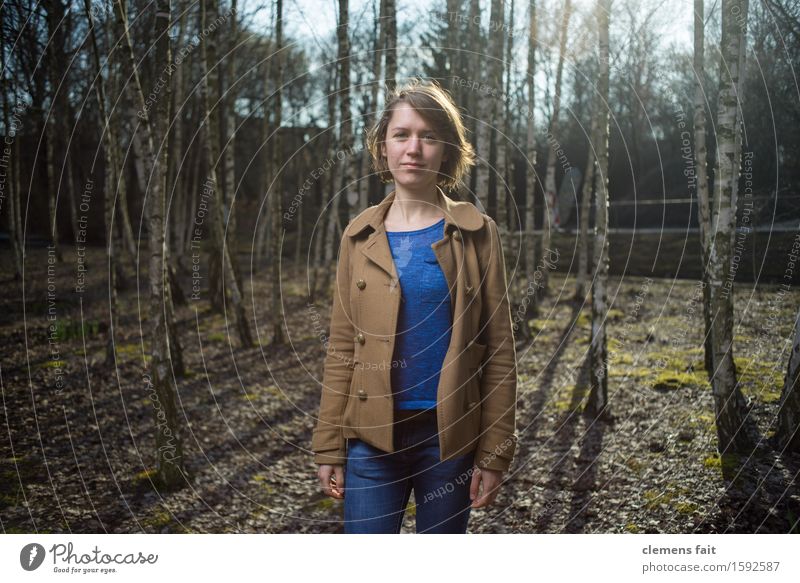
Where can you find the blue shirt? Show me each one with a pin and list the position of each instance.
(424, 323)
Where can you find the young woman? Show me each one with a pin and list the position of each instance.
(419, 386)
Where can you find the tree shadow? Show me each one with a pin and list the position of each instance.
(582, 478)
(760, 493)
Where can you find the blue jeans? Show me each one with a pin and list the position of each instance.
(377, 484)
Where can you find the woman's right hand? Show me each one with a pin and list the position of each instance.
(331, 478)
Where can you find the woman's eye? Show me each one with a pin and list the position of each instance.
(430, 137)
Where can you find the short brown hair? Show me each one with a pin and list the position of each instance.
(436, 105)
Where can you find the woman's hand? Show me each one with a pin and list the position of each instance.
(331, 478)
(491, 480)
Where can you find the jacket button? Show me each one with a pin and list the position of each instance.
(361, 284)
(457, 235)
(362, 394)
(360, 338)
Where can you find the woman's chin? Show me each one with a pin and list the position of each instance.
(409, 180)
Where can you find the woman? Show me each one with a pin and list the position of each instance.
(419, 387)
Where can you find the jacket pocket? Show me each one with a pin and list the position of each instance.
(475, 352)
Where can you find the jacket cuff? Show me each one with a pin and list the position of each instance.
(333, 457)
(500, 457)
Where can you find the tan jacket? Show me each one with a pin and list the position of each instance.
(476, 396)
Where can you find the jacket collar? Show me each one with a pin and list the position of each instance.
(458, 215)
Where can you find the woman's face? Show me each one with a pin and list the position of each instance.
(413, 151)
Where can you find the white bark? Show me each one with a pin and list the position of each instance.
(728, 400)
(598, 374)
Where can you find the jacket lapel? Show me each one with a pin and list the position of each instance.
(377, 250)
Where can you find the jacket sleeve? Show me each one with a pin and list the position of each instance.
(327, 441)
(498, 440)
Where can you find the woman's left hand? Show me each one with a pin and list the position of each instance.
(491, 480)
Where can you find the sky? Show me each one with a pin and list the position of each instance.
(313, 22)
(307, 19)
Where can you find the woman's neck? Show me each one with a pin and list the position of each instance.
(414, 208)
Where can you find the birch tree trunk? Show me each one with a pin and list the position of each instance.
(551, 196)
(787, 436)
(728, 399)
(12, 185)
(169, 439)
(118, 155)
(266, 140)
(391, 44)
(55, 47)
(490, 112)
(278, 337)
(219, 253)
(586, 194)
(532, 308)
(701, 174)
(178, 196)
(346, 121)
(111, 177)
(504, 133)
(598, 373)
(227, 68)
(326, 245)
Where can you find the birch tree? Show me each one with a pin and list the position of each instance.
(586, 194)
(169, 439)
(220, 259)
(489, 110)
(346, 122)
(551, 197)
(531, 309)
(701, 172)
(12, 185)
(55, 47)
(390, 22)
(278, 336)
(227, 69)
(112, 171)
(728, 400)
(263, 229)
(598, 372)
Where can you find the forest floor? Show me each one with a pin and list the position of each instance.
(77, 446)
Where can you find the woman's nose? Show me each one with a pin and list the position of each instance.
(413, 144)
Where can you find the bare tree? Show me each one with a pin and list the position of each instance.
(701, 172)
(277, 192)
(56, 49)
(169, 441)
(531, 310)
(178, 204)
(598, 373)
(112, 176)
(263, 229)
(583, 215)
(227, 71)
(728, 400)
(12, 187)
(220, 259)
(551, 197)
(390, 22)
(348, 166)
(489, 110)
